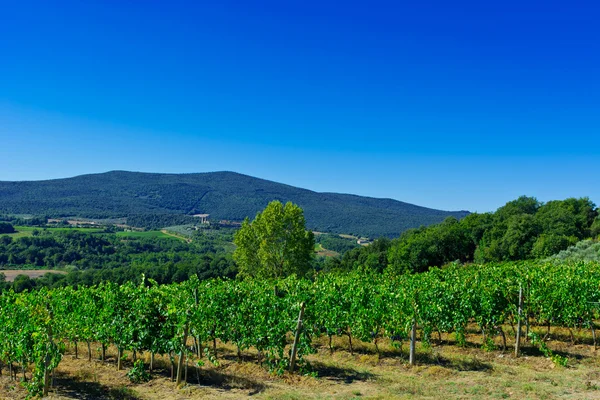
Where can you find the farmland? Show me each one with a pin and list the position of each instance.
(465, 319)
(457, 372)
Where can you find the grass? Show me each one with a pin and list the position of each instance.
(443, 371)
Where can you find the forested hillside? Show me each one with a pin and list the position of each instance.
(522, 229)
(158, 200)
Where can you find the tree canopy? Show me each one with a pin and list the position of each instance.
(275, 244)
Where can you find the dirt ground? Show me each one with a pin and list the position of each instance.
(444, 370)
(11, 274)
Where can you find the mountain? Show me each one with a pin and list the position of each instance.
(223, 195)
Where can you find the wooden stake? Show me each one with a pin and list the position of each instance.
(47, 359)
(119, 359)
(296, 338)
(518, 339)
(413, 341)
(182, 356)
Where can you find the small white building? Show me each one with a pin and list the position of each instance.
(203, 218)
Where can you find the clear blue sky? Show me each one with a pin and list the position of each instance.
(452, 105)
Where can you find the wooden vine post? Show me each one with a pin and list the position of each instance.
(413, 340)
(413, 335)
(197, 339)
(296, 338)
(182, 355)
(47, 358)
(119, 358)
(520, 317)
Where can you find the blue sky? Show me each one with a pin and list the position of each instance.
(451, 105)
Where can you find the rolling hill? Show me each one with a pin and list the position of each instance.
(224, 195)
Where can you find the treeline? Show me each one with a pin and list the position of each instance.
(522, 229)
(158, 221)
(204, 266)
(93, 258)
(33, 221)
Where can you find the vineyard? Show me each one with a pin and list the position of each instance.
(184, 321)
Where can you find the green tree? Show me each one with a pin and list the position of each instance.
(276, 244)
(549, 244)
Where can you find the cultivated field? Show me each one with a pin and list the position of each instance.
(443, 371)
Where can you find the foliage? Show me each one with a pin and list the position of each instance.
(367, 258)
(520, 230)
(336, 243)
(138, 373)
(586, 250)
(556, 359)
(275, 244)
(145, 316)
(93, 258)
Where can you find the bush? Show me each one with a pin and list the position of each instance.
(138, 373)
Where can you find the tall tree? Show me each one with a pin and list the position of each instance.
(275, 244)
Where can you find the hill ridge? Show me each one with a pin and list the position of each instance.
(227, 195)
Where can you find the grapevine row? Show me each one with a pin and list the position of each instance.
(162, 319)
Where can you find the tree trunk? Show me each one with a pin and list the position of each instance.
(172, 357)
(503, 338)
(547, 332)
(119, 358)
(350, 342)
(572, 336)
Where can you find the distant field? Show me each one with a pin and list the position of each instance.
(147, 234)
(11, 274)
(323, 252)
(22, 231)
